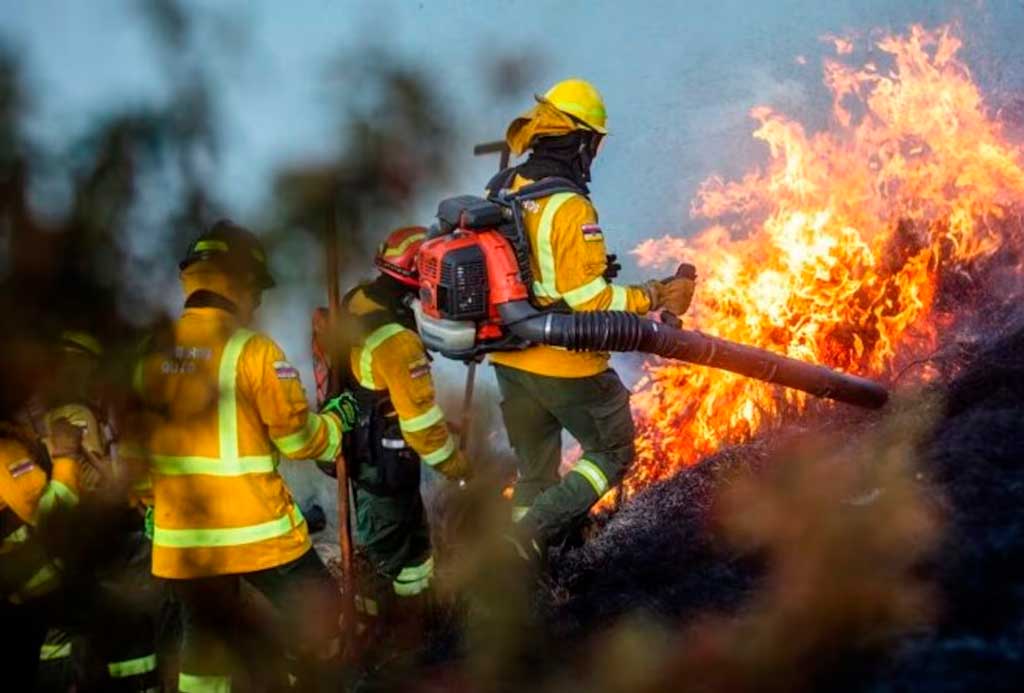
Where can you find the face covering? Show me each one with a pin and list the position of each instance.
(566, 156)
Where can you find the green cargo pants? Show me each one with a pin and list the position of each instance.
(282, 622)
(595, 411)
(393, 532)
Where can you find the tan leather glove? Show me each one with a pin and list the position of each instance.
(673, 294)
(455, 467)
(65, 439)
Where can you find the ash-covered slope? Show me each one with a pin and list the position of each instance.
(660, 554)
(976, 456)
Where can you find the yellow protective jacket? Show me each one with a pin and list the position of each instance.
(226, 402)
(392, 358)
(568, 259)
(28, 499)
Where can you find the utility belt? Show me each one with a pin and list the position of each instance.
(379, 459)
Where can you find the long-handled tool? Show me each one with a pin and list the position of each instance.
(348, 582)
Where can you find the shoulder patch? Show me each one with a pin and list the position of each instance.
(20, 467)
(285, 371)
(419, 368)
(592, 232)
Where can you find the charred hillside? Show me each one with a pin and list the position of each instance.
(949, 535)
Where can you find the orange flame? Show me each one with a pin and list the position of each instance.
(834, 252)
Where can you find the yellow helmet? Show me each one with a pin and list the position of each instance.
(570, 105)
(581, 100)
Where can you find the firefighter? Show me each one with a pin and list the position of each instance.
(225, 403)
(115, 569)
(38, 498)
(544, 389)
(400, 426)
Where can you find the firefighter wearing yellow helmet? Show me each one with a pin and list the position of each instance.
(225, 405)
(545, 389)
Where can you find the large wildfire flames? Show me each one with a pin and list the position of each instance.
(839, 251)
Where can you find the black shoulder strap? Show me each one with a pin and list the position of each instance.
(548, 186)
(501, 181)
(544, 187)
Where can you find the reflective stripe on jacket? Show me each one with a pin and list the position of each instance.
(568, 259)
(227, 401)
(392, 358)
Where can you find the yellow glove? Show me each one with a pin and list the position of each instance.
(455, 467)
(674, 294)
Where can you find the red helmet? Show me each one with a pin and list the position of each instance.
(396, 256)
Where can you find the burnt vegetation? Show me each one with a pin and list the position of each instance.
(918, 570)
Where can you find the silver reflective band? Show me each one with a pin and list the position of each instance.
(425, 420)
(192, 683)
(132, 667)
(547, 285)
(18, 536)
(42, 581)
(376, 338)
(593, 474)
(581, 294)
(294, 442)
(228, 536)
(414, 579)
(227, 407)
(333, 439)
(56, 492)
(620, 298)
(393, 443)
(51, 651)
(441, 454)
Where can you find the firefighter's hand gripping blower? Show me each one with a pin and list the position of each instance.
(474, 299)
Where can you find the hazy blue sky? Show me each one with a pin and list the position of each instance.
(678, 77)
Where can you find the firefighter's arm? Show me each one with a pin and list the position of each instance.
(580, 260)
(59, 492)
(24, 483)
(402, 364)
(281, 401)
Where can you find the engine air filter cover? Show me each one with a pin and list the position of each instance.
(462, 292)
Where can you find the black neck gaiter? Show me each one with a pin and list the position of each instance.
(565, 156)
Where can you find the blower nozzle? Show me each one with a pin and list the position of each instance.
(620, 331)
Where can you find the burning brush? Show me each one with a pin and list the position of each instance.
(862, 248)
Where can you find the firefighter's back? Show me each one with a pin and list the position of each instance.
(220, 505)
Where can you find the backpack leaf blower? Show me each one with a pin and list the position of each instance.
(475, 298)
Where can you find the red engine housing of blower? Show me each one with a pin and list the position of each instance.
(465, 275)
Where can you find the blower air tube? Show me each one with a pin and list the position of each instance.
(620, 331)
